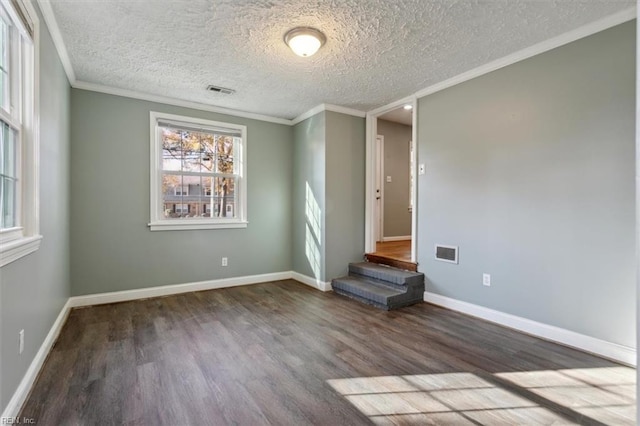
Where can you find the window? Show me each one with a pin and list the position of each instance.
(182, 208)
(197, 164)
(181, 190)
(18, 135)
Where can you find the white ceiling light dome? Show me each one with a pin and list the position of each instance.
(304, 41)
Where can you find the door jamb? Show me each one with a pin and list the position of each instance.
(370, 184)
(379, 181)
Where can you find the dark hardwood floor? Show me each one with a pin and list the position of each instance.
(393, 253)
(399, 250)
(285, 354)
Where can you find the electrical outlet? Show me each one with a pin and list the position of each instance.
(225, 261)
(21, 341)
(388, 178)
(486, 280)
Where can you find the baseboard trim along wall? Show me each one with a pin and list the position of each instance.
(24, 388)
(167, 290)
(312, 282)
(613, 351)
(399, 238)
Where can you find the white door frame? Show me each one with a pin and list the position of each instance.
(370, 221)
(379, 180)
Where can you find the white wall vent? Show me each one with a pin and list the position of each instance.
(446, 253)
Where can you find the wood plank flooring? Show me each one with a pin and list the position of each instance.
(400, 250)
(393, 253)
(285, 354)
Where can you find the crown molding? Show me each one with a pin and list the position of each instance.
(58, 41)
(393, 105)
(344, 110)
(328, 107)
(93, 87)
(313, 111)
(552, 43)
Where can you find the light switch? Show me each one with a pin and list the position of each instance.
(388, 178)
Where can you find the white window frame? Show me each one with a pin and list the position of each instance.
(25, 238)
(157, 221)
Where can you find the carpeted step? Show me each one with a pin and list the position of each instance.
(395, 276)
(376, 292)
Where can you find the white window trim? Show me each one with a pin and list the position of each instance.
(157, 223)
(18, 242)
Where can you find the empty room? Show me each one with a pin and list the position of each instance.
(328, 212)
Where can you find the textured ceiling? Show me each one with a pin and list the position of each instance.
(377, 51)
(399, 115)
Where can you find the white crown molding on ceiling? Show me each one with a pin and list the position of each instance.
(328, 107)
(393, 105)
(93, 87)
(568, 37)
(58, 42)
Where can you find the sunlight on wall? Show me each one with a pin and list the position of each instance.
(603, 394)
(313, 237)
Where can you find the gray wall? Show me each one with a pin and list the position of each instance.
(329, 151)
(397, 217)
(345, 140)
(111, 246)
(308, 205)
(34, 288)
(530, 170)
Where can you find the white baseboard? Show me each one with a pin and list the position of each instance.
(312, 282)
(398, 238)
(614, 351)
(167, 290)
(20, 395)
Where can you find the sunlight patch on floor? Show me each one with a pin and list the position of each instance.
(603, 394)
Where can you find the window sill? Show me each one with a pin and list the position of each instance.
(14, 250)
(191, 225)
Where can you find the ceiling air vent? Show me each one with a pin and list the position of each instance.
(447, 253)
(218, 89)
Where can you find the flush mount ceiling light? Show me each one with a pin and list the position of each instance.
(408, 107)
(304, 41)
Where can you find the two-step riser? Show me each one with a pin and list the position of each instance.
(394, 276)
(381, 286)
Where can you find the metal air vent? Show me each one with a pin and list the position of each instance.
(447, 253)
(218, 89)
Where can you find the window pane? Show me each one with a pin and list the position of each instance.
(191, 154)
(224, 151)
(8, 146)
(225, 197)
(4, 43)
(4, 64)
(171, 149)
(8, 201)
(171, 186)
(207, 146)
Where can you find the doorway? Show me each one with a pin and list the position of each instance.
(391, 158)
